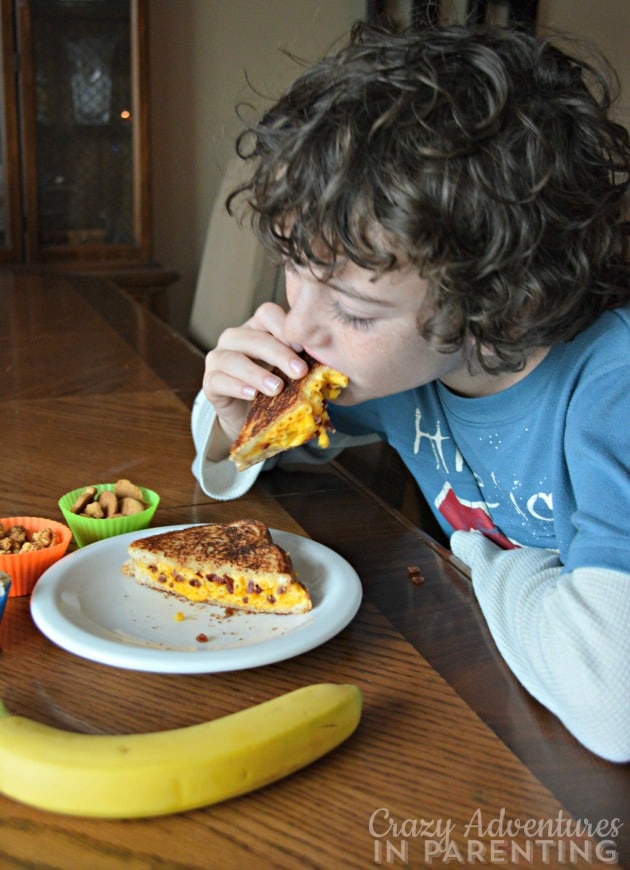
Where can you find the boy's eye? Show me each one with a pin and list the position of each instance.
(351, 319)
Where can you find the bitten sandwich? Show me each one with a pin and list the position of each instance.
(293, 417)
(235, 565)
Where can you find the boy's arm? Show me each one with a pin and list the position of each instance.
(566, 636)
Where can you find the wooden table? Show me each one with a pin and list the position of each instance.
(450, 749)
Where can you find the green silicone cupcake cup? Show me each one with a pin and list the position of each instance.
(87, 530)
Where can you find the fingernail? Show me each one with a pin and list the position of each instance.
(297, 347)
(272, 383)
(298, 366)
(248, 392)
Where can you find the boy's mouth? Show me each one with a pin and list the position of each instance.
(318, 358)
(314, 355)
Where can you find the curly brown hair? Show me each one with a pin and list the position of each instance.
(484, 156)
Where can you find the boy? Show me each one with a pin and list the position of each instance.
(449, 207)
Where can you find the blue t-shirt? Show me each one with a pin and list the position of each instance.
(544, 463)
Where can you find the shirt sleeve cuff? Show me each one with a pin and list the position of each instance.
(220, 480)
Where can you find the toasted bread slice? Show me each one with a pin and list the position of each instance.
(234, 564)
(293, 417)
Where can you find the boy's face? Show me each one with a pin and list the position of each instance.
(368, 329)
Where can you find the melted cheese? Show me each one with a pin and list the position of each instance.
(264, 593)
(310, 417)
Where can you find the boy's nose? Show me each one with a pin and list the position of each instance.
(303, 324)
(300, 328)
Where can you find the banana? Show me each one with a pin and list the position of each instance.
(142, 775)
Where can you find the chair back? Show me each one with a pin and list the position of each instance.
(235, 274)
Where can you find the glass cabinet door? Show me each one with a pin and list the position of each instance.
(82, 68)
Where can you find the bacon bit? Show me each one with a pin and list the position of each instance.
(253, 587)
(194, 582)
(271, 599)
(162, 578)
(245, 599)
(202, 638)
(229, 583)
(229, 611)
(415, 575)
(179, 578)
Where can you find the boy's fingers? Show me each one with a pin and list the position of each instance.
(248, 354)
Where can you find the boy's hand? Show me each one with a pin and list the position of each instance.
(238, 367)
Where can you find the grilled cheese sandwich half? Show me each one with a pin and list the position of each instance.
(235, 565)
(293, 417)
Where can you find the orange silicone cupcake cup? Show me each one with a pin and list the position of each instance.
(25, 569)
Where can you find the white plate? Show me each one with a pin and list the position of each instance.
(85, 605)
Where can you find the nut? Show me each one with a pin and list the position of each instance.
(17, 539)
(84, 499)
(108, 502)
(130, 506)
(94, 510)
(125, 500)
(125, 488)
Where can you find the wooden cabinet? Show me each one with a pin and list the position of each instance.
(74, 150)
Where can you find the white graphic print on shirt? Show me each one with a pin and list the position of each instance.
(467, 500)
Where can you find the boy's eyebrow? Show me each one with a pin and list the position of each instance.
(355, 294)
